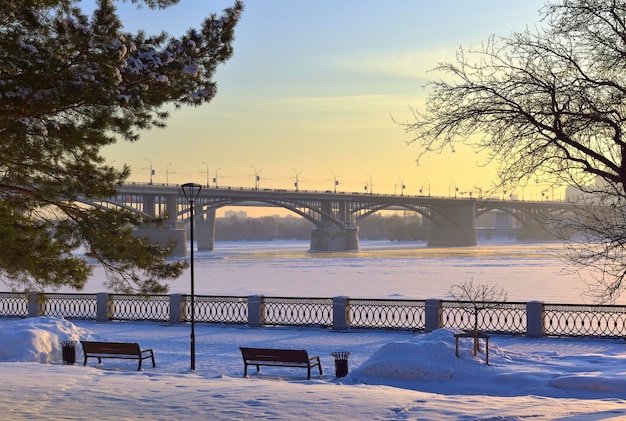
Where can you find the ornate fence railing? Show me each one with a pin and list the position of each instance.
(492, 317)
(298, 311)
(533, 318)
(231, 310)
(69, 306)
(140, 307)
(387, 314)
(13, 305)
(582, 320)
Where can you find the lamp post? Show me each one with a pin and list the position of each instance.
(257, 177)
(191, 191)
(296, 184)
(207, 173)
(422, 189)
(402, 186)
(151, 170)
(335, 182)
(167, 174)
(215, 178)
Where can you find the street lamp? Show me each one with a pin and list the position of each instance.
(191, 191)
(422, 189)
(335, 182)
(257, 177)
(402, 186)
(215, 178)
(296, 184)
(151, 170)
(167, 174)
(456, 189)
(207, 173)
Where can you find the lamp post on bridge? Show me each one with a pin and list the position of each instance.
(207, 173)
(151, 170)
(402, 186)
(191, 191)
(296, 184)
(335, 182)
(257, 177)
(422, 189)
(167, 174)
(215, 178)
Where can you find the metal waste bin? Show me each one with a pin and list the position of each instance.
(341, 363)
(68, 350)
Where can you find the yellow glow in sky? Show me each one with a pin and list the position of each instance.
(311, 91)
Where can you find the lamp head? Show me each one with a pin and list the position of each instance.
(191, 191)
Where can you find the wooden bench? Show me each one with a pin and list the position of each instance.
(123, 350)
(279, 358)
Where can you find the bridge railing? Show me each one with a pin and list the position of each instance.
(533, 318)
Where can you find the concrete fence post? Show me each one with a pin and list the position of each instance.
(341, 313)
(35, 299)
(534, 319)
(433, 315)
(104, 307)
(256, 310)
(178, 308)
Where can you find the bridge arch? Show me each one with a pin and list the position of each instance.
(317, 217)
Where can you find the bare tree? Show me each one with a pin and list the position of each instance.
(477, 298)
(547, 105)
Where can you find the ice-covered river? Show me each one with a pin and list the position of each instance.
(526, 271)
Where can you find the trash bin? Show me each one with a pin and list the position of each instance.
(341, 363)
(68, 350)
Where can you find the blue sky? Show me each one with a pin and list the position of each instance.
(311, 90)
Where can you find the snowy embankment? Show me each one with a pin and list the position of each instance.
(393, 375)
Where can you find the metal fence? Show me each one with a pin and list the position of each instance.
(13, 305)
(69, 306)
(387, 314)
(139, 307)
(286, 311)
(492, 317)
(230, 310)
(582, 320)
(605, 321)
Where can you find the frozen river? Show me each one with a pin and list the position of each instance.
(526, 271)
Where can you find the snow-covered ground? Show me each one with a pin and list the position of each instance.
(393, 375)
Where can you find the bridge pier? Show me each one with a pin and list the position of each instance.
(333, 238)
(534, 231)
(162, 236)
(453, 225)
(205, 231)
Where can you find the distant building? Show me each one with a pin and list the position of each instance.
(236, 214)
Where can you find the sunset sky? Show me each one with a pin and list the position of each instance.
(312, 90)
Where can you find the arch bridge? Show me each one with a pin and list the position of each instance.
(335, 216)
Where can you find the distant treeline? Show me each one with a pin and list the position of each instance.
(406, 227)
